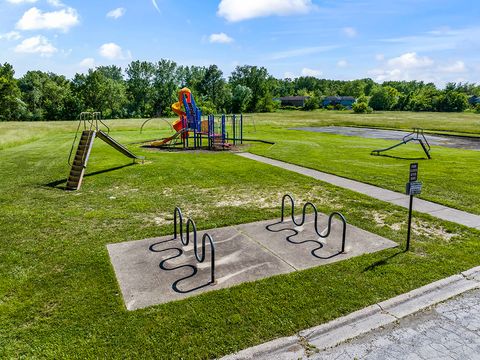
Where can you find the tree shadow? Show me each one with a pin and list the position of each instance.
(56, 184)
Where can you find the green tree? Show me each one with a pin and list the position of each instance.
(424, 99)
(452, 101)
(257, 79)
(361, 107)
(140, 91)
(212, 86)
(112, 72)
(191, 77)
(11, 104)
(165, 86)
(47, 96)
(241, 98)
(312, 103)
(383, 98)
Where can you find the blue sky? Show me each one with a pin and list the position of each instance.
(436, 41)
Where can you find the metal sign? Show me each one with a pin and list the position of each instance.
(413, 172)
(414, 188)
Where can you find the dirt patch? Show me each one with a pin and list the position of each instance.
(423, 228)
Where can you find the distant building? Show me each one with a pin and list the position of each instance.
(474, 100)
(298, 101)
(346, 101)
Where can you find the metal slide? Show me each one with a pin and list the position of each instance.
(117, 146)
(415, 135)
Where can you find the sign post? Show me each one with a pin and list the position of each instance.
(413, 188)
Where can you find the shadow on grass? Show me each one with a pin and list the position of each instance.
(400, 157)
(384, 261)
(57, 183)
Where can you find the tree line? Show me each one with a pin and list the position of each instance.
(145, 89)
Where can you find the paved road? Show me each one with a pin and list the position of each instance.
(450, 330)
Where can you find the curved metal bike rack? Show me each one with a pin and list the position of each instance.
(322, 234)
(199, 251)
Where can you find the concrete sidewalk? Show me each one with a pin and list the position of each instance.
(427, 207)
(387, 328)
(450, 330)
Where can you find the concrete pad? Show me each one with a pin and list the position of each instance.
(243, 253)
(298, 251)
(144, 283)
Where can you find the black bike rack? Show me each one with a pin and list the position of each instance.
(200, 256)
(416, 135)
(321, 234)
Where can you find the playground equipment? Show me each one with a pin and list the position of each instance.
(322, 234)
(416, 135)
(91, 122)
(193, 132)
(185, 241)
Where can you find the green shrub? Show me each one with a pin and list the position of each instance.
(361, 108)
(311, 104)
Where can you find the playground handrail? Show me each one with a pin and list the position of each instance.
(82, 119)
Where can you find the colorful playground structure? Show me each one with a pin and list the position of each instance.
(193, 132)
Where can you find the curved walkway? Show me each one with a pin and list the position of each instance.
(392, 197)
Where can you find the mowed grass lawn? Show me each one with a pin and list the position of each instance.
(451, 177)
(58, 294)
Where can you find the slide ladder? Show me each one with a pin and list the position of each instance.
(90, 131)
(80, 160)
(416, 135)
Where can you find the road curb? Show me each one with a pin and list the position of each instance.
(362, 321)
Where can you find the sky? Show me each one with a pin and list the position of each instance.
(433, 41)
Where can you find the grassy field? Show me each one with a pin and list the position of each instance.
(58, 293)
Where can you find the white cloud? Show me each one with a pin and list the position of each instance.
(12, 35)
(301, 52)
(349, 32)
(410, 60)
(238, 10)
(22, 1)
(311, 72)
(411, 66)
(221, 38)
(155, 5)
(116, 13)
(456, 67)
(439, 40)
(342, 63)
(289, 75)
(379, 57)
(35, 19)
(37, 44)
(56, 3)
(113, 51)
(87, 63)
